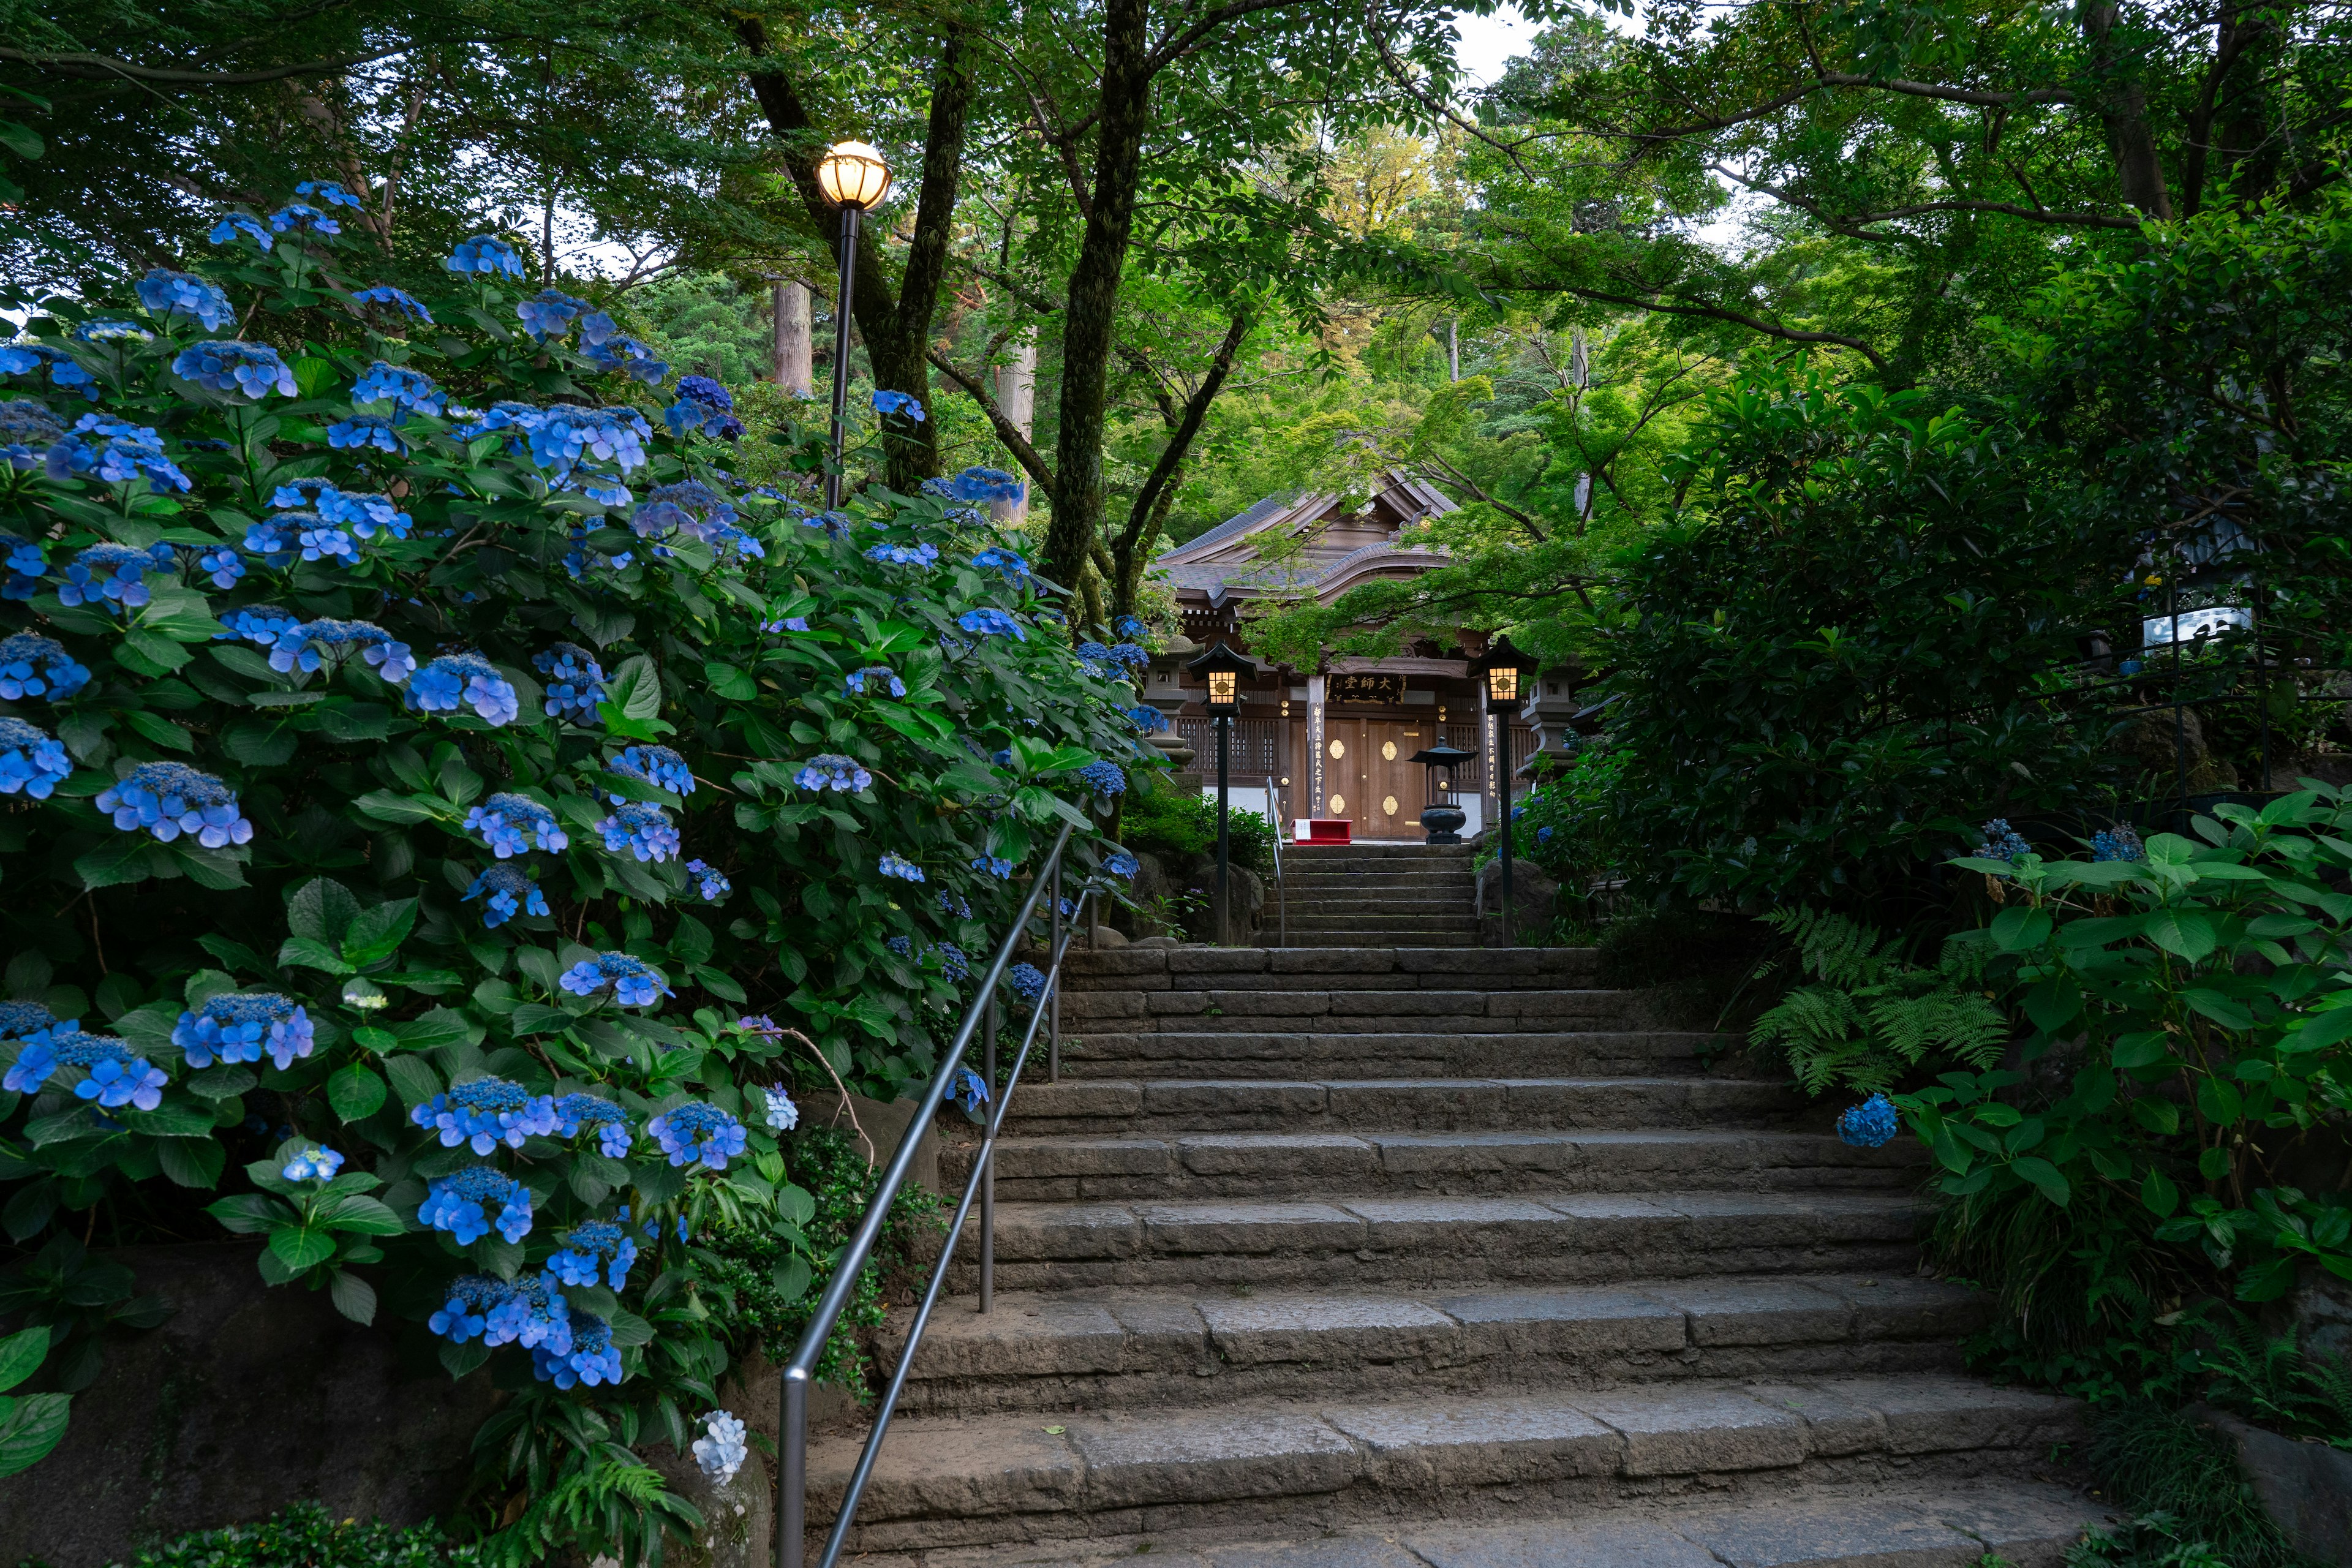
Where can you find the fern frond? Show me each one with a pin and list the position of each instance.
(1961, 1024)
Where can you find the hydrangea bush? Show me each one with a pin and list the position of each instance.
(419, 754)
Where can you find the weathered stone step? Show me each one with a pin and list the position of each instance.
(1582, 1238)
(1107, 1348)
(1466, 938)
(1318, 884)
(1385, 966)
(1078, 1167)
(1426, 1104)
(1350, 1010)
(1020, 1478)
(1093, 1050)
(1386, 916)
(1957, 1524)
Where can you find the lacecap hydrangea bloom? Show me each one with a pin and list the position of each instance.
(25, 565)
(316, 643)
(19, 1019)
(551, 312)
(711, 882)
(627, 354)
(458, 680)
(115, 1083)
(509, 893)
(364, 512)
(642, 830)
(485, 253)
(980, 485)
(220, 564)
(575, 682)
(779, 1112)
(168, 799)
(361, 430)
(655, 766)
(510, 824)
(2118, 843)
(833, 772)
(1122, 864)
(597, 1247)
(313, 1163)
(240, 1029)
(527, 1310)
(1147, 719)
(399, 300)
(32, 763)
(1869, 1125)
(894, 864)
(873, 681)
(971, 1091)
(575, 1113)
(720, 1451)
(904, 554)
(994, 864)
(261, 625)
(703, 405)
(2001, 842)
(897, 403)
(463, 1205)
(301, 217)
(566, 434)
(486, 1112)
(632, 982)
(698, 1130)
(1104, 778)
(166, 293)
(995, 558)
(589, 1356)
(223, 364)
(991, 623)
(103, 447)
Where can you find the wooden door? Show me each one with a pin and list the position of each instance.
(1392, 786)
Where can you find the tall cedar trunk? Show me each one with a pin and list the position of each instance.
(1092, 309)
(895, 328)
(2123, 109)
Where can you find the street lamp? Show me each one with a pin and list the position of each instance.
(1502, 667)
(1222, 668)
(1442, 819)
(851, 176)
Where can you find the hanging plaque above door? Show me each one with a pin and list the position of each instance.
(1387, 689)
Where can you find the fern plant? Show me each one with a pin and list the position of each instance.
(1869, 1016)
(2272, 1380)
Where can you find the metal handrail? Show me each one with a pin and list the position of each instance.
(792, 1477)
(1281, 889)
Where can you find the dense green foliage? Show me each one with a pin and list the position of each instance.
(306, 1535)
(1184, 822)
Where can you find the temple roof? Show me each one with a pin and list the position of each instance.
(1337, 548)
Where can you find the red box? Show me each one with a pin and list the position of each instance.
(1328, 830)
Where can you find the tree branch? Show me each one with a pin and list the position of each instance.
(1188, 426)
(102, 68)
(1006, 431)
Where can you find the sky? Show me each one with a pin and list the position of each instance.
(1489, 42)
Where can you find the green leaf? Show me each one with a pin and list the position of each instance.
(32, 1428)
(386, 807)
(413, 1079)
(635, 690)
(2221, 1009)
(355, 1093)
(2047, 1178)
(2159, 1194)
(378, 933)
(173, 1119)
(359, 1213)
(354, 1297)
(161, 731)
(431, 1031)
(535, 1019)
(725, 680)
(791, 1277)
(110, 865)
(301, 951)
(629, 1329)
(2145, 1050)
(321, 910)
(2319, 1031)
(248, 1214)
(2158, 1116)
(2182, 931)
(2213, 1164)
(192, 1162)
(298, 1247)
(23, 140)
(221, 1082)
(2219, 1099)
(20, 1355)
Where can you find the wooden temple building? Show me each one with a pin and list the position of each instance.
(1332, 742)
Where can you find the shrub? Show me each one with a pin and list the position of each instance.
(306, 1535)
(1165, 820)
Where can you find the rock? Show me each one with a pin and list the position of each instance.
(875, 1126)
(2306, 1488)
(1102, 939)
(738, 1515)
(2150, 740)
(1155, 941)
(1534, 893)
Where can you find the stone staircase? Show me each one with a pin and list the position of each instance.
(1441, 1259)
(1378, 895)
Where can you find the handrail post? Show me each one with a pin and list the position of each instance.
(1054, 1002)
(792, 1471)
(988, 1174)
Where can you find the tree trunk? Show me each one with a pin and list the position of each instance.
(793, 371)
(1090, 315)
(2123, 109)
(1017, 393)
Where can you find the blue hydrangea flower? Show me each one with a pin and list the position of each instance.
(272, 539)
(979, 485)
(1028, 982)
(168, 799)
(954, 907)
(115, 1084)
(166, 293)
(588, 1357)
(2118, 843)
(220, 565)
(703, 404)
(1129, 628)
(732, 543)
(458, 680)
(2001, 842)
(361, 430)
(312, 1164)
(884, 678)
(590, 1250)
(25, 565)
(462, 1204)
(833, 772)
(111, 330)
(953, 964)
(19, 1019)
(65, 370)
(229, 227)
(564, 435)
(893, 864)
(239, 1028)
(575, 682)
(332, 193)
(710, 881)
(506, 415)
(632, 982)
(532, 1314)
(997, 559)
(1122, 864)
(25, 424)
(487, 1113)
(399, 300)
(320, 643)
(897, 403)
(34, 666)
(550, 313)
(486, 254)
(250, 369)
(364, 513)
(510, 824)
(990, 622)
(1543, 835)
(994, 864)
(789, 624)
(904, 554)
(301, 217)
(779, 1112)
(259, 623)
(31, 762)
(403, 388)
(111, 575)
(576, 1113)
(631, 356)
(721, 1450)
(655, 766)
(971, 1091)
(1132, 655)
(117, 453)
(471, 1298)
(1104, 779)
(1869, 1125)
(643, 830)
(316, 539)
(698, 1130)
(510, 893)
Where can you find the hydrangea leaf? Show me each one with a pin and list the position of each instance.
(110, 865)
(172, 1119)
(386, 807)
(413, 1079)
(300, 1247)
(192, 1162)
(376, 934)
(21, 1353)
(161, 731)
(431, 1031)
(157, 653)
(248, 1214)
(790, 1278)
(34, 1426)
(629, 1329)
(355, 1093)
(302, 951)
(322, 909)
(225, 1081)
(354, 1297)
(635, 690)
(358, 1212)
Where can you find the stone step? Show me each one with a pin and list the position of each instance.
(1571, 1238)
(1351, 1011)
(1109, 1348)
(1019, 1477)
(1179, 1166)
(1423, 1104)
(1093, 1051)
(1385, 884)
(1955, 1524)
(1379, 966)
(1351, 937)
(1378, 916)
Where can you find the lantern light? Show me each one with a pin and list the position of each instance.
(1222, 668)
(852, 175)
(1502, 667)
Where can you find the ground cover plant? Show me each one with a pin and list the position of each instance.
(449, 817)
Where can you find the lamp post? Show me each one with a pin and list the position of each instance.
(1501, 668)
(1442, 818)
(1222, 668)
(853, 177)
